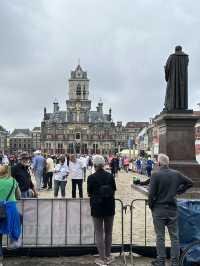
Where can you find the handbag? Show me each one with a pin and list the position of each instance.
(3, 214)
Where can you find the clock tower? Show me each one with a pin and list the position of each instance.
(78, 105)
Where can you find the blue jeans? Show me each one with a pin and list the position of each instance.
(25, 194)
(59, 184)
(38, 179)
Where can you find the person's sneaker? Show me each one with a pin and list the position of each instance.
(43, 188)
(14, 244)
(157, 263)
(100, 262)
(1, 263)
(109, 260)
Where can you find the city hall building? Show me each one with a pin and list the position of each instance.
(78, 129)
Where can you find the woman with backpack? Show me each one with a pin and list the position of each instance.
(101, 189)
(9, 216)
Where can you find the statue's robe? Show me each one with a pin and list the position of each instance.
(176, 75)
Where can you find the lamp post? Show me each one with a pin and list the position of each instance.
(54, 137)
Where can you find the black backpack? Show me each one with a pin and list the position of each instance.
(106, 191)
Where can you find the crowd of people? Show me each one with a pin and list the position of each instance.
(47, 172)
(165, 183)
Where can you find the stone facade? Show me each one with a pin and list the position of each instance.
(3, 140)
(79, 129)
(20, 140)
(147, 140)
(36, 136)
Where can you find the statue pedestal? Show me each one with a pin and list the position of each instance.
(177, 140)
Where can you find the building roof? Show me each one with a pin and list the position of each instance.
(2, 128)
(59, 116)
(197, 113)
(36, 129)
(21, 133)
(74, 74)
(96, 117)
(136, 124)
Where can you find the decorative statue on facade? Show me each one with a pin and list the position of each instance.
(176, 76)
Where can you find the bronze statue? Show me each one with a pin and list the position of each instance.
(176, 75)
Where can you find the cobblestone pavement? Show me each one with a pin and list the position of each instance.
(78, 261)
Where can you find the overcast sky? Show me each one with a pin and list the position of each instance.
(122, 44)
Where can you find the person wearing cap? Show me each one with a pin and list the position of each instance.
(60, 177)
(21, 173)
(101, 189)
(39, 164)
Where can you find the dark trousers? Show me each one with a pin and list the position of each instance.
(48, 180)
(78, 182)
(113, 172)
(170, 221)
(84, 172)
(59, 184)
(103, 227)
(149, 170)
(1, 249)
(26, 194)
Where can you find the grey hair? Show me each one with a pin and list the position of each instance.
(163, 159)
(99, 161)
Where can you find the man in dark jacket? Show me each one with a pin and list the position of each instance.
(165, 184)
(114, 165)
(101, 188)
(22, 175)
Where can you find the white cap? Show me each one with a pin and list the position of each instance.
(98, 160)
(37, 152)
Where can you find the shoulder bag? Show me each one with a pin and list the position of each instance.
(3, 214)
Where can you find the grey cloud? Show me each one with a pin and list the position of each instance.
(122, 44)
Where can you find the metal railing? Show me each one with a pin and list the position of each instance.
(66, 223)
(61, 223)
(132, 207)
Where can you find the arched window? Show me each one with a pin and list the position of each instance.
(78, 90)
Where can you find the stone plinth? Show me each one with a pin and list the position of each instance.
(177, 140)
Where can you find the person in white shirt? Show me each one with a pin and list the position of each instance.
(76, 173)
(5, 160)
(84, 161)
(49, 172)
(60, 177)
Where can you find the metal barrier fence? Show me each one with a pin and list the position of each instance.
(61, 223)
(67, 223)
(144, 242)
(132, 209)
